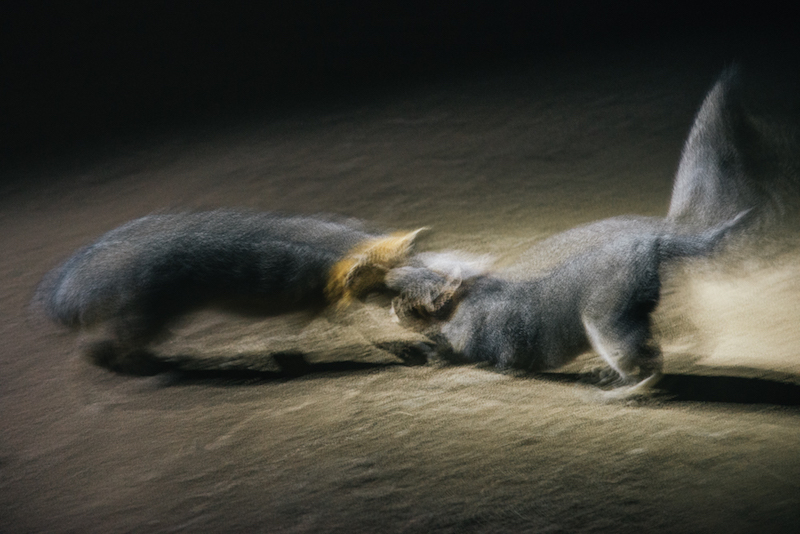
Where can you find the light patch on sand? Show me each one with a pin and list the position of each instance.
(747, 319)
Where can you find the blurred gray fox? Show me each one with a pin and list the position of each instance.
(599, 299)
(602, 296)
(135, 279)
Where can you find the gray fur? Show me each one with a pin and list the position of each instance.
(601, 298)
(138, 277)
(733, 160)
(602, 281)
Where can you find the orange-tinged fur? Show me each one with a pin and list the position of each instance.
(365, 266)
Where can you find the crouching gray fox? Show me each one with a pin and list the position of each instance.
(135, 279)
(599, 299)
(603, 295)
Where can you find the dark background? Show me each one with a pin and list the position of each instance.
(85, 73)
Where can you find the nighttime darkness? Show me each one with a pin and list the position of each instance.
(457, 267)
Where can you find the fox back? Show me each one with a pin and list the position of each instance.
(162, 264)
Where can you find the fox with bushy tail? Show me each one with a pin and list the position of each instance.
(600, 294)
(600, 299)
(736, 159)
(137, 278)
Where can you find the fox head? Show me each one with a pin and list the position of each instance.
(365, 266)
(431, 285)
(423, 294)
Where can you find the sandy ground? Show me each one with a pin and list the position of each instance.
(493, 163)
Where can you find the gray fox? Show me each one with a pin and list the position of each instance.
(136, 278)
(602, 296)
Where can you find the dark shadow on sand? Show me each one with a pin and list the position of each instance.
(250, 368)
(290, 368)
(697, 388)
(733, 389)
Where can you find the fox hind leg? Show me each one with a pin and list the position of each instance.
(625, 350)
(123, 345)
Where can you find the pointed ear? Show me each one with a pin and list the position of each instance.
(396, 247)
(365, 266)
(385, 252)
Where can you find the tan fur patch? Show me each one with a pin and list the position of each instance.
(365, 265)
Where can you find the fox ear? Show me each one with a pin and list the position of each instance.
(365, 266)
(395, 248)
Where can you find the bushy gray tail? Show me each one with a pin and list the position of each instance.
(679, 245)
(731, 163)
(712, 182)
(57, 296)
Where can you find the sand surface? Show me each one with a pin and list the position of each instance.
(493, 162)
